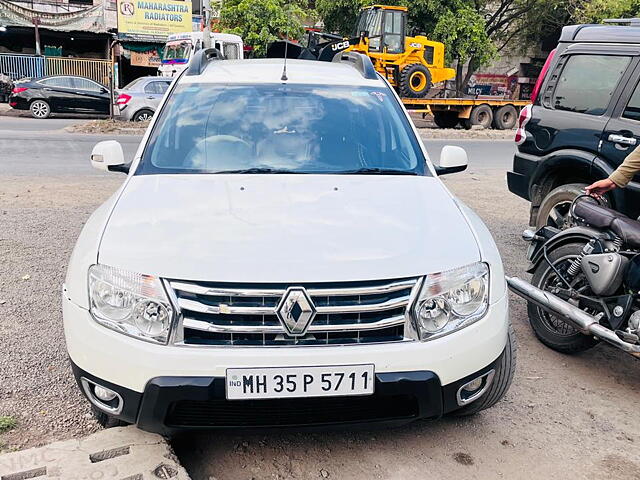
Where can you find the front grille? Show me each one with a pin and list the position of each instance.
(290, 412)
(245, 315)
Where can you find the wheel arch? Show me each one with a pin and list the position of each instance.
(561, 168)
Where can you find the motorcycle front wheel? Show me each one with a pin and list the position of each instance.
(551, 330)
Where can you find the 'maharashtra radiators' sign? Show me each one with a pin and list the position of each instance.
(152, 20)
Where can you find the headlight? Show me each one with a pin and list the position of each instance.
(451, 300)
(130, 303)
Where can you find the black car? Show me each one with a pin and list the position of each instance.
(584, 121)
(60, 94)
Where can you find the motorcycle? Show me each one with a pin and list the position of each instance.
(586, 280)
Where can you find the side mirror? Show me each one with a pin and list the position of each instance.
(108, 156)
(452, 160)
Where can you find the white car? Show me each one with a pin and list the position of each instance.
(283, 253)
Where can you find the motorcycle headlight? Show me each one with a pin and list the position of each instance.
(451, 300)
(130, 303)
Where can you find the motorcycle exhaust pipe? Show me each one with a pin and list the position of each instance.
(571, 314)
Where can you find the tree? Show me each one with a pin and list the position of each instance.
(260, 22)
(339, 16)
(463, 32)
(595, 11)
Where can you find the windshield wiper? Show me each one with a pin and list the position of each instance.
(378, 171)
(257, 170)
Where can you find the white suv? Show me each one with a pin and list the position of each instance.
(283, 253)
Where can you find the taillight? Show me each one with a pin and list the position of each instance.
(543, 74)
(523, 119)
(123, 99)
(19, 89)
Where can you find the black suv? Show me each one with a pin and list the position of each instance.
(584, 121)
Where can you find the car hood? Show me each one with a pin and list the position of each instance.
(286, 228)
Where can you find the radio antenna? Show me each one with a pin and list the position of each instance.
(284, 77)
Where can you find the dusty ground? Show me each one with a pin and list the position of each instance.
(564, 417)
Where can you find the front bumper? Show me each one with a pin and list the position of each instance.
(168, 388)
(172, 404)
(519, 180)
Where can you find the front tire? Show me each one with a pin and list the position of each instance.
(550, 330)
(415, 81)
(501, 380)
(554, 209)
(40, 109)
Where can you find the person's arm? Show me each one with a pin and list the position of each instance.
(619, 178)
(627, 169)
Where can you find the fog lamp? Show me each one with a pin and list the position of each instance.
(473, 385)
(103, 393)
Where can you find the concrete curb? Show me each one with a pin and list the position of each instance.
(124, 453)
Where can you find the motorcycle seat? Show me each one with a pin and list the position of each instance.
(605, 218)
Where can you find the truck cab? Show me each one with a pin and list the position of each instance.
(180, 47)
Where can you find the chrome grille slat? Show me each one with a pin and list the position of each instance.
(245, 315)
(226, 292)
(195, 306)
(194, 324)
(267, 292)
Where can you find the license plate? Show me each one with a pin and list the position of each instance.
(282, 382)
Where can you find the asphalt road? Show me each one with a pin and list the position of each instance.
(564, 416)
(23, 123)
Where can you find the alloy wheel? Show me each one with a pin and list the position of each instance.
(40, 109)
(559, 215)
(143, 117)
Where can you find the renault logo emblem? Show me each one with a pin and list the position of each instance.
(296, 311)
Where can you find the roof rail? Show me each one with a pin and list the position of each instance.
(359, 61)
(631, 22)
(202, 58)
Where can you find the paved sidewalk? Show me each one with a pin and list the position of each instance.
(115, 454)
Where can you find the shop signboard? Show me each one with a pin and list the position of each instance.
(152, 21)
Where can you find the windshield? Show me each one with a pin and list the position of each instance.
(282, 129)
(369, 21)
(177, 52)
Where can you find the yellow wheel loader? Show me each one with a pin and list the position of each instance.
(411, 64)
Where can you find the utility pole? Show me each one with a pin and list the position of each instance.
(206, 32)
(36, 23)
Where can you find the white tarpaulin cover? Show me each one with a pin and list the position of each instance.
(87, 20)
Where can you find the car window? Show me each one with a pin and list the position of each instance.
(632, 110)
(64, 82)
(287, 128)
(157, 87)
(86, 84)
(231, 51)
(130, 85)
(587, 82)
